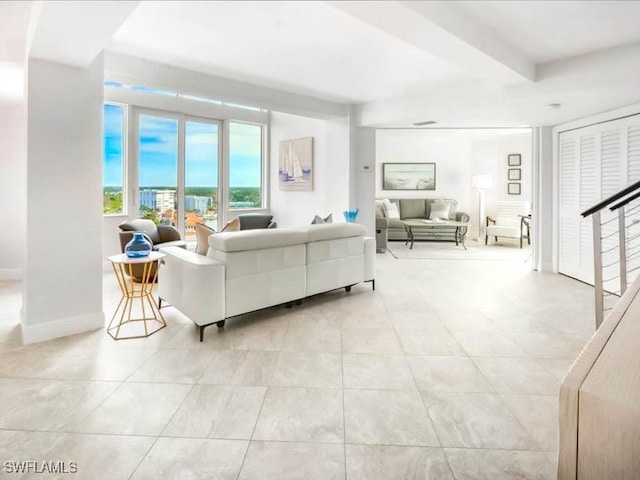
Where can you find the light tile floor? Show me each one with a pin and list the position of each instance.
(449, 370)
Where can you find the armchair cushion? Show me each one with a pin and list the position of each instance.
(145, 226)
(252, 221)
(167, 233)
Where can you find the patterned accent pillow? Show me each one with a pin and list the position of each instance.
(439, 211)
(317, 220)
(232, 226)
(452, 204)
(202, 237)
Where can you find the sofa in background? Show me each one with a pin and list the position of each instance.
(255, 269)
(417, 208)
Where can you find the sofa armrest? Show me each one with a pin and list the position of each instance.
(369, 258)
(167, 233)
(194, 284)
(382, 222)
(462, 217)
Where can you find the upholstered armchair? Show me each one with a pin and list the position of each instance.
(252, 221)
(159, 236)
(510, 221)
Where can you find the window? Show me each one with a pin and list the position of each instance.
(201, 176)
(113, 159)
(158, 169)
(245, 166)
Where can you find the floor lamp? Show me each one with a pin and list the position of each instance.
(481, 182)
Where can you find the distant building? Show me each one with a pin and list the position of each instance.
(160, 200)
(196, 203)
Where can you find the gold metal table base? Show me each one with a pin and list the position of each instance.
(151, 317)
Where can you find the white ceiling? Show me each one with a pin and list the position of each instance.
(482, 63)
(308, 48)
(546, 31)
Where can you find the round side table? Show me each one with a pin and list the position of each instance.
(128, 311)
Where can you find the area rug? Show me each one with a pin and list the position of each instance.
(451, 251)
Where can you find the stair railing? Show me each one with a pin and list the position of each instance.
(611, 271)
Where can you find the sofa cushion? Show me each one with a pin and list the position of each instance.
(329, 231)
(413, 208)
(256, 239)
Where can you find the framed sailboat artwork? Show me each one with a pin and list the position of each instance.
(295, 164)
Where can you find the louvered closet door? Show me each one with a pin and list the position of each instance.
(632, 132)
(612, 169)
(569, 232)
(596, 162)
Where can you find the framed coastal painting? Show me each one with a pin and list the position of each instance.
(408, 176)
(295, 164)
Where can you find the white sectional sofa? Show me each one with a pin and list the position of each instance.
(254, 269)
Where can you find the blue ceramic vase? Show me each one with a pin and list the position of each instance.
(350, 215)
(138, 246)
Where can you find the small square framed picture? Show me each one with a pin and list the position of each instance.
(514, 160)
(513, 188)
(514, 174)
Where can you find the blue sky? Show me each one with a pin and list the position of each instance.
(158, 152)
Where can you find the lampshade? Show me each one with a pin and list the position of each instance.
(482, 181)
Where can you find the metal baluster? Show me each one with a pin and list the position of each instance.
(597, 262)
(623, 250)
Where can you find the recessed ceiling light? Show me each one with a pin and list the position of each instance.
(427, 122)
(554, 106)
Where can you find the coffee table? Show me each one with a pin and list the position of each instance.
(430, 225)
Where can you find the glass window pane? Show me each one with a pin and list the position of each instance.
(113, 159)
(158, 169)
(245, 166)
(201, 177)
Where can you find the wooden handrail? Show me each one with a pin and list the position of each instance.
(621, 194)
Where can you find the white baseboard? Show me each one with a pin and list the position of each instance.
(41, 332)
(10, 274)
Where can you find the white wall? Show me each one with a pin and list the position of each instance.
(63, 267)
(458, 155)
(331, 170)
(13, 171)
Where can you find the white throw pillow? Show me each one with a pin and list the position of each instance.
(439, 211)
(391, 209)
(380, 208)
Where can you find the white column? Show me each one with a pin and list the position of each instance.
(543, 209)
(365, 177)
(63, 263)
